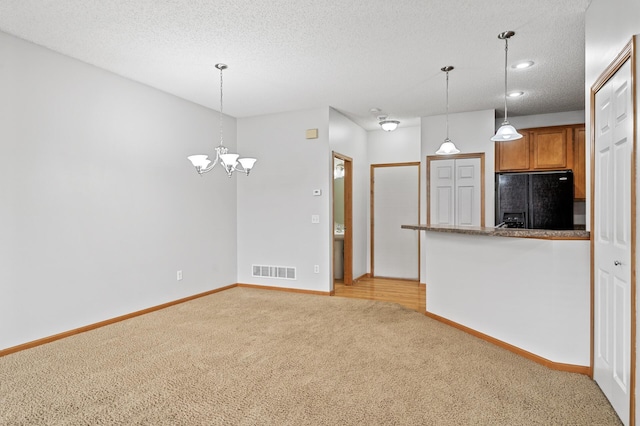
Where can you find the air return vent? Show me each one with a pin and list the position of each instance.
(282, 272)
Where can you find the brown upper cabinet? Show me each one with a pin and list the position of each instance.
(579, 174)
(546, 148)
(551, 148)
(513, 156)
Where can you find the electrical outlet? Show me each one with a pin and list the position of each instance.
(316, 269)
(179, 275)
(315, 218)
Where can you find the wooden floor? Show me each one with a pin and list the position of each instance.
(406, 293)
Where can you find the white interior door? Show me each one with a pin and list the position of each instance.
(396, 201)
(442, 192)
(468, 191)
(455, 192)
(612, 240)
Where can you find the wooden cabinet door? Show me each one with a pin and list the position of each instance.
(513, 155)
(551, 149)
(579, 175)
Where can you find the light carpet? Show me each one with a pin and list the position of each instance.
(258, 357)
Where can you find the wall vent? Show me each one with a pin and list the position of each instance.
(282, 272)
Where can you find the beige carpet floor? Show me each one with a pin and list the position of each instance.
(257, 357)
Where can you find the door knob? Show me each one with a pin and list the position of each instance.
(617, 263)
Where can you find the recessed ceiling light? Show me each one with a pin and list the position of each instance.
(515, 94)
(522, 65)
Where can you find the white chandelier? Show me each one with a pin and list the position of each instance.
(506, 132)
(230, 162)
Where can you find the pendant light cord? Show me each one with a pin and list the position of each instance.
(506, 49)
(447, 105)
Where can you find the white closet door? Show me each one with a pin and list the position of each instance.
(396, 202)
(442, 192)
(612, 240)
(455, 192)
(468, 192)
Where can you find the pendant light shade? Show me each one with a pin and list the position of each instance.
(506, 132)
(447, 147)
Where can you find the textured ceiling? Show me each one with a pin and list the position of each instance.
(352, 55)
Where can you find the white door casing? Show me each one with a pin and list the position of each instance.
(612, 239)
(396, 202)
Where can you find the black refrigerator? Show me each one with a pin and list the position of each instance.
(539, 200)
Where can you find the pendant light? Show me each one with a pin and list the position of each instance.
(230, 162)
(506, 132)
(447, 146)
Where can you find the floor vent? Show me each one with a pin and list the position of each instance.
(283, 272)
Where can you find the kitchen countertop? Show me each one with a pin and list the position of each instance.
(543, 234)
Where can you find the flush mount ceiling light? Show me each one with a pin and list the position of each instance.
(515, 94)
(447, 146)
(230, 162)
(522, 65)
(386, 124)
(506, 132)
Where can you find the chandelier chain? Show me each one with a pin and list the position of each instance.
(221, 104)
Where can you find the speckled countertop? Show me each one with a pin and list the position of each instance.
(543, 234)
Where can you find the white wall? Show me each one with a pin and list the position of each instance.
(347, 138)
(471, 132)
(544, 120)
(496, 285)
(400, 146)
(276, 202)
(100, 206)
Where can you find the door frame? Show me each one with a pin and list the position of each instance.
(348, 218)
(627, 53)
(372, 212)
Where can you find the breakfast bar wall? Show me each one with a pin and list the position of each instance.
(526, 288)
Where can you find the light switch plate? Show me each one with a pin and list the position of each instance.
(315, 218)
(317, 192)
